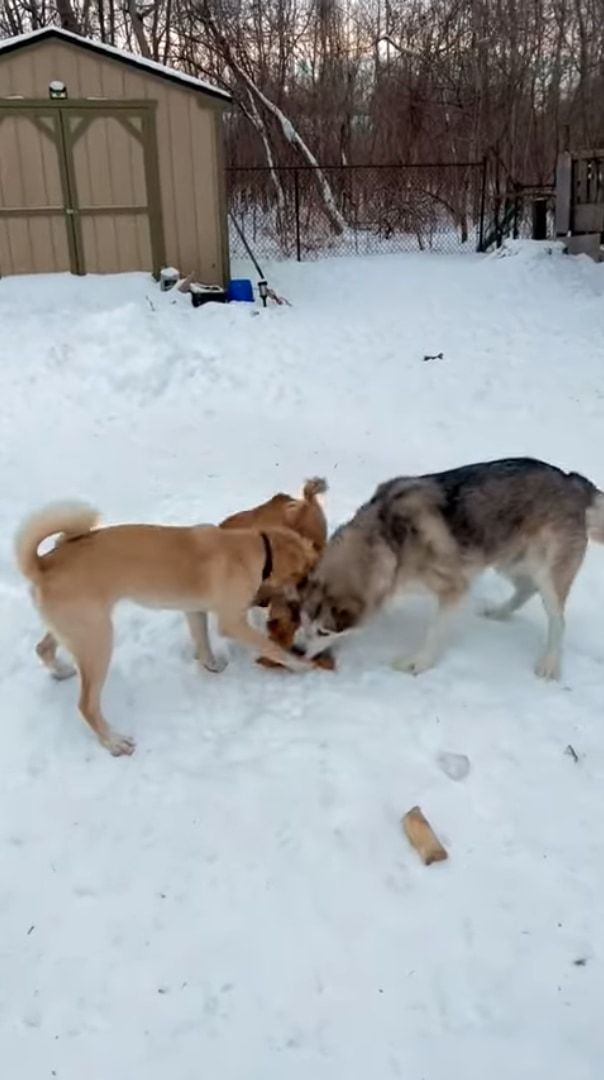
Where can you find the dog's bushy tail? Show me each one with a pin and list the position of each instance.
(315, 486)
(70, 519)
(595, 518)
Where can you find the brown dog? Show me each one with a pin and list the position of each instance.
(194, 570)
(306, 517)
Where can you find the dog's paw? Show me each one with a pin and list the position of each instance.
(63, 670)
(299, 664)
(413, 665)
(325, 661)
(498, 612)
(548, 667)
(216, 664)
(119, 745)
(264, 661)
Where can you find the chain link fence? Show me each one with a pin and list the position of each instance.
(377, 209)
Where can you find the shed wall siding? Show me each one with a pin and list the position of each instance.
(190, 177)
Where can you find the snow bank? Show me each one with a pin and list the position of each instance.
(237, 901)
(529, 250)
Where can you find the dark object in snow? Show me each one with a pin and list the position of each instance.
(204, 294)
(168, 278)
(435, 356)
(570, 750)
(266, 293)
(280, 300)
(240, 290)
(581, 961)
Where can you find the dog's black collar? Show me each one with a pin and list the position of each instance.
(267, 569)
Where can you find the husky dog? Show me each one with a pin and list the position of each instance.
(528, 520)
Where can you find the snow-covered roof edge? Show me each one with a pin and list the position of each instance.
(154, 68)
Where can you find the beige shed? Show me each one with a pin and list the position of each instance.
(108, 162)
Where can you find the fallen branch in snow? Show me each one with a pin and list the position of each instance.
(436, 356)
(570, 750)
(184, 286)
(272, 295)
(422, 837)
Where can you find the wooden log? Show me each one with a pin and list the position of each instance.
(421, 836)
(184, 286)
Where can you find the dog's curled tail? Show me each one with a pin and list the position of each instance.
(315, 486)
(70, 519)
(595, 518)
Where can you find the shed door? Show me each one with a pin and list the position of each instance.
(79, 188)
(33, 229)
(111, 162)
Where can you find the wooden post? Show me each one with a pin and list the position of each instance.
(564, 174)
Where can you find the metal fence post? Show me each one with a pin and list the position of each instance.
(297, 212)
(483, 196)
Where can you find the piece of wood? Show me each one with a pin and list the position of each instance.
(422, 837)
(184, 286)
(564, 170)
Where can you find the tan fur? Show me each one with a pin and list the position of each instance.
(68, 519)
(191, 569)
(306, 517)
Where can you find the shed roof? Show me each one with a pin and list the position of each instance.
(151, 66)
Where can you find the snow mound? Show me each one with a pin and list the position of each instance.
(237, 901)
(529, 250)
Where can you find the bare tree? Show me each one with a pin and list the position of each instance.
(337, 82)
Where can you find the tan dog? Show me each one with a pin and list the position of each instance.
(306, 517)
(194, 570)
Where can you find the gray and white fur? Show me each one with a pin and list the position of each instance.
(526, 519)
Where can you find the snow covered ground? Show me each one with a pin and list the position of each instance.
(237, 900)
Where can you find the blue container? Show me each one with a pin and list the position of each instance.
(241, 289)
